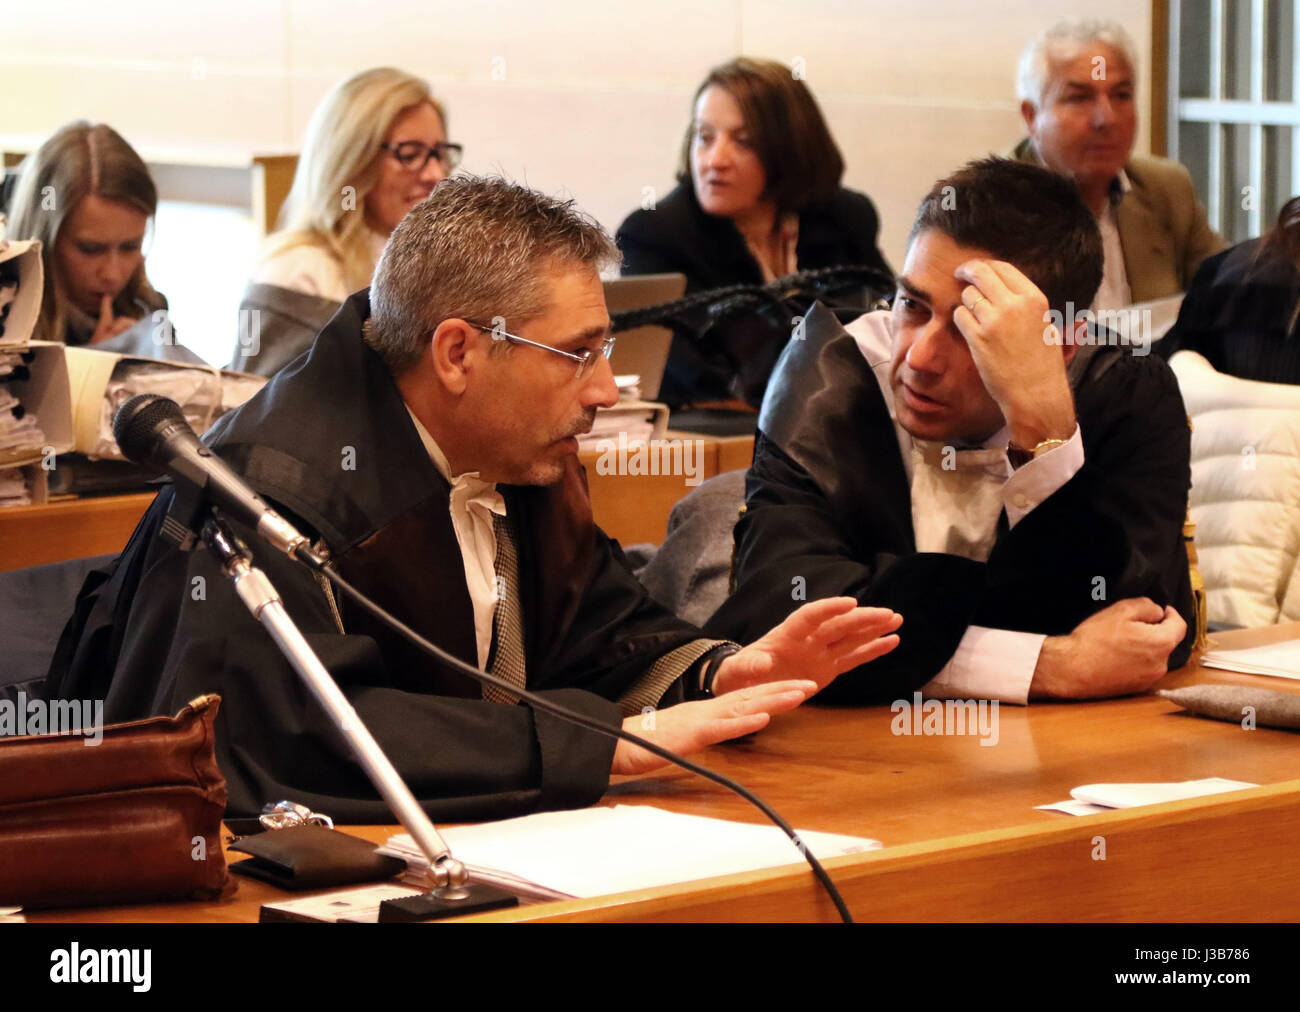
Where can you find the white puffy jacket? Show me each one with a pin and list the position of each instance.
(1245, 496)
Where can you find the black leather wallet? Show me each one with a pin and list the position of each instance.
(312, 857)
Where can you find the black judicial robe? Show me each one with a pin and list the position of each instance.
(330, 443)
(828, 511)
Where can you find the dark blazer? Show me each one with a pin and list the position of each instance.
(828, 510)
(1241, 314)
(330, 443)
(678, 235)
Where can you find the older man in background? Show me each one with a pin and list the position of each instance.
(1077, 83)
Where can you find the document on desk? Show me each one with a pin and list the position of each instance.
(359, 904)
(1279, 660)
(598, 851)
(1093, 798)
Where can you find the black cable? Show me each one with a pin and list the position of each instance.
(732, 300)
(314, 561)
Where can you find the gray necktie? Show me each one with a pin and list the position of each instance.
(507, 658)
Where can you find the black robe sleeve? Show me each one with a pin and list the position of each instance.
(177, 630)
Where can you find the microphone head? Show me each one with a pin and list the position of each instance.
(139, 423)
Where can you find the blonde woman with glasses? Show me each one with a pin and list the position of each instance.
(374, 148)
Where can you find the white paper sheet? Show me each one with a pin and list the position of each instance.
(1279, 660)
(1093, 798)
(597, 851)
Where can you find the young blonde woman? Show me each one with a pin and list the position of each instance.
(88, 197)
(374, 148)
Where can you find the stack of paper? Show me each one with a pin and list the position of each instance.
(1281, 660)
(630, 422)
(13, 487)
(8, 295)
(629, 386)
(22, 280)
(597, 851)
(21, 437)
(636, 424)
(13, 365)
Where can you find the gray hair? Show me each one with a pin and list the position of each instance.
(474, 249)
(1031, 74)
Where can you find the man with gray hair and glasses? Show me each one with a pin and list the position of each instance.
(1077, 83)
(428, 444)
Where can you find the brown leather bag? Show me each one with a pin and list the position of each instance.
(133, 819)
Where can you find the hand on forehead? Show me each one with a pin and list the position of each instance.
(995, 278)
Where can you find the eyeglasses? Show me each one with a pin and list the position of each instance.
(585, 358)
(415, 156)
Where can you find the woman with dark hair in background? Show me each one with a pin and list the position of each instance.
(1242, 309)
(758, 198)
(759, 193)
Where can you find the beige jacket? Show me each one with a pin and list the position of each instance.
(1162, 225)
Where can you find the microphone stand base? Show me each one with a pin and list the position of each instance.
(431, 907)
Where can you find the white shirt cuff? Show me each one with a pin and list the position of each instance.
(1030, 485)
(989, 664)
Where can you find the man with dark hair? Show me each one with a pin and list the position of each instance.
(434, 461)
(938, 459)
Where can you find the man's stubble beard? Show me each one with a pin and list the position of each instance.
(552, 472)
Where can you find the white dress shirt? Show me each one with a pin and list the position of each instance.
(955, 510)
(1114, 292)
(473, 504)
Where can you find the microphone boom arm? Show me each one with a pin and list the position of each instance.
(261, 598)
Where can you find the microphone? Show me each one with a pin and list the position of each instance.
(152, 430)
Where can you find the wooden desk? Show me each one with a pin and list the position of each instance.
(69, 529)
(632, 508)
(962, 838)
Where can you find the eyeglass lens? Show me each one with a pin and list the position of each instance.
(413, 154)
